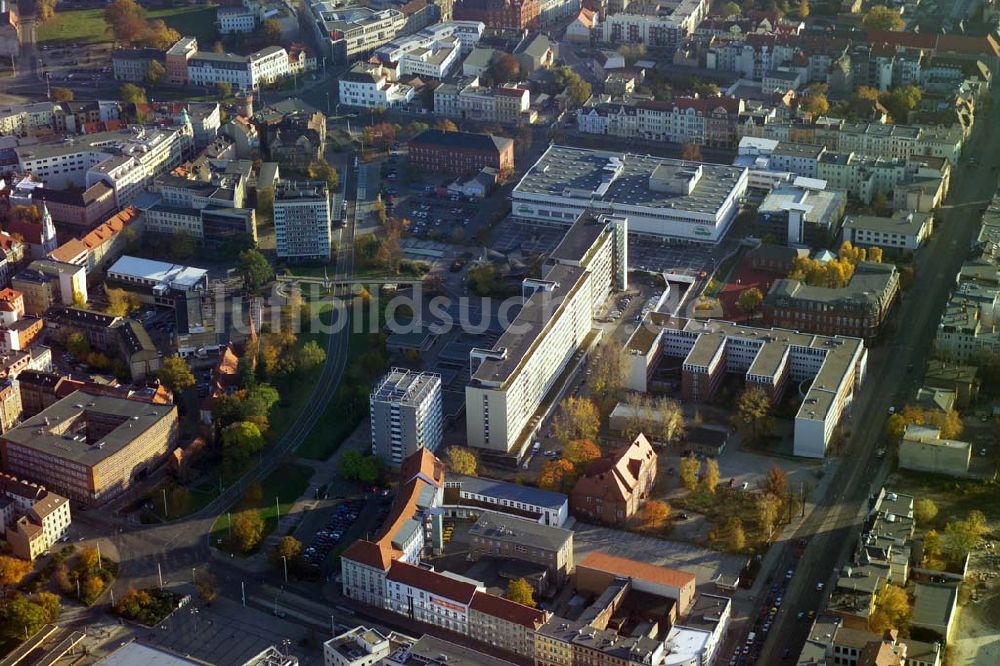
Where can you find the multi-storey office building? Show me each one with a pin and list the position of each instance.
(405, 410)
(348, 30)
(772, 359)
(663, 198)
(91, 448)
(302, 220)
(665, 25)
(466, 33)
(511, 380)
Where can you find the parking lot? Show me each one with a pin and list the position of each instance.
(433, 211)
(75, 62)
(528, 238)
(332, 533)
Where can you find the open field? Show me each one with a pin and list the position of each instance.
(87, 26)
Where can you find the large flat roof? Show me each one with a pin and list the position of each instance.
(513, 492)
(62, 430)
(174, 275)
(499, 526)
(624, 179)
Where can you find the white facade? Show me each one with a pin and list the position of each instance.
(231, 20)
(373, 86)
(906, 230)
(405, 411)
(242, 72)
(434, 61)
(350, 30)
(302, 220)
(673, 22)
(358, 647)
(467, 33)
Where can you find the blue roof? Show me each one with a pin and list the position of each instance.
(509, 491)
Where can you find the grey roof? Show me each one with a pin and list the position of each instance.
(40, 431)
(820, 207)
(503, 490)
(625, 179)
(432, 651)
(870, 283)
(933, 605)
(502, 527)
(580, 238)
(903, 222)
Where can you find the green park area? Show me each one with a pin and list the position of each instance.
(87, 26)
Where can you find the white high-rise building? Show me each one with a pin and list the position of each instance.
(302, 220)
(406, 414)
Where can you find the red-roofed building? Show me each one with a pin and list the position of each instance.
(612, 488)
(427, 596)
(505, 624)
(102, 245)
(363, 567)
(11, 306)
(597, 570)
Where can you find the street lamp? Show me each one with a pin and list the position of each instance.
(284, 561)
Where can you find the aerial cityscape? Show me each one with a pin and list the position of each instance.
(499, 332)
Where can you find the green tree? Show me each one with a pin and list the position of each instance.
(520, 591)
(749, 300)
(77, 344)
(155, 72)
(310, 357)
(256, 269)
(690, 467)
(924, 510)
(132, 94)
(462, 460)
(24, 617)
(247, 530)
(224, 90)
(242, 439)
(881, 17)
(900, 101)
(731, 9)
(753, 414)
(175, 373)
(484, 279)
(182, 245)
(354, 466)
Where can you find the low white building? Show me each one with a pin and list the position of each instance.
(360, 646)
(435, 60)
(372, 86)
(545, 506)
(466, 33)
(238, 19)
(905, 230)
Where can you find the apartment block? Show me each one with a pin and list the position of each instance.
(46, 282)
(405, 411)
(371, 85)
(303, 220)
(347, 30)
(503, 536)
(904, 231)
(466, 33)
(91, 448)
(34, 518)
(663, 25)
(102, 245)
(511, 380)
(706, 121)
(460, 153)
(772, 359)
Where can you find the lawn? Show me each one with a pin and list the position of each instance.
(87, 25)
(286, 483)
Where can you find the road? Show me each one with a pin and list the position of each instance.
(834, 524)
(147, 551)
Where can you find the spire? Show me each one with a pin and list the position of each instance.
(48, 235)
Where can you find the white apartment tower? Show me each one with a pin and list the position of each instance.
(302, 220)
(406, 414)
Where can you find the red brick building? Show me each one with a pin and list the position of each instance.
(515, 14)
(612, 487)
(458, 153)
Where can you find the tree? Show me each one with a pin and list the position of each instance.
(160, 36)
(132, 94)
(255, 268)
(207, 587)
(354, 466)
(924, 510)
(691, 151)
(710, 479)
(960, 538)
(753, 414)
(91, 588)
(319, 169)
(175, 373)
(121, 302)
(224, 90)
(581, 452)
(881, 17)
(768, 508)
(900, 101)
(62, 95)
(247, 529)
(265, 202)
(24, 617)
(241, 440)
(446, 125)
(557, 475)
(88, 559)
(504, 67)
(749, 300)
(50, 604)
(892, 609)
(875, 254)
(155, 72)
(817, 104)
(731, 9)
(577, 418)
(690, 468)
(803, 11)
(949, 422)
(655, 513)
(311, 356)
(736, 538)
(272, 30)
(12, 572)
(288, 547)
(46, 9)
(77, 344)
(462, 460)
(182, 245)
(520, 591)
(483, 279)
(129, 28)
(776, 482)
